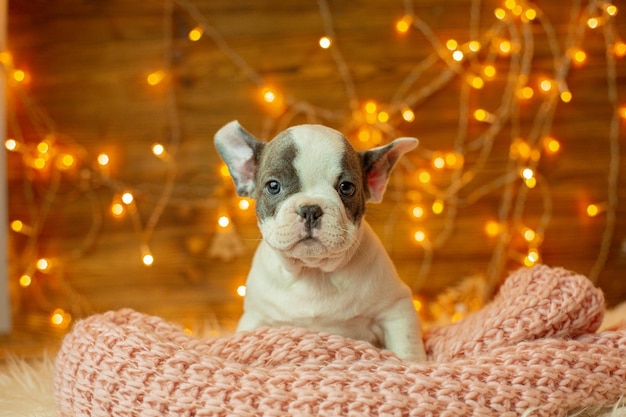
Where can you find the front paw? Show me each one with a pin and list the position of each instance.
(415, 354)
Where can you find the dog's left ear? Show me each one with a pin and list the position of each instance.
(240, 151)
(378, 162)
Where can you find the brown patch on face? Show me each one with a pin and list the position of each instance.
(276, 164)
(352, 171)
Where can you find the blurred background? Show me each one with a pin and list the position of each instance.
(117, 198)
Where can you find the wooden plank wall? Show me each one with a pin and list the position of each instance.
(85, 93)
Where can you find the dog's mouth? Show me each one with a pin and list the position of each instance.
(309, 242)
(309, 247)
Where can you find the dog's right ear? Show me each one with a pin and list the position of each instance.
(240, 151)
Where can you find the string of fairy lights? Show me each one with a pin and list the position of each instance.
(501, 50)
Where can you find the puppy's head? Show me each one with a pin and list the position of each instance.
(310, 187)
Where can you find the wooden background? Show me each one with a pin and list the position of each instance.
(86, 64)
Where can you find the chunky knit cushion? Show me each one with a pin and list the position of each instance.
(533, 348)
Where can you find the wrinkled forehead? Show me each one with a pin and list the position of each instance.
(313, 150)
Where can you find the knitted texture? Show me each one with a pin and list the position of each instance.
(533, 348)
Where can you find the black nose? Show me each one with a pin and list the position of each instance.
(311, 215)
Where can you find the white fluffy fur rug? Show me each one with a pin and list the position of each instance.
(26, 386)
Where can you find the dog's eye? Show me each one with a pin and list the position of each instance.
(347, 189)
(273, 187)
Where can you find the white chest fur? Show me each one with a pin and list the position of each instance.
(355, 300)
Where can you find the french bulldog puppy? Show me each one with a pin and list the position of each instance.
(319, 265)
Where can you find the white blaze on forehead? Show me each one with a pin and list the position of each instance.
(320, 151)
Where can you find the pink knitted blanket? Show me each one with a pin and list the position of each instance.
(534, 347)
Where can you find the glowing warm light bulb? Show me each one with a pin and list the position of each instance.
(25, 280)
(224, 172)
(404, 24)
(437, 206)
(196, 33)
(364, 135)
(531, 258)
(452, 44)
(419, 236)
(244, 204)
(529, 234)
(325, 42)
(155, 78)
(593, 22)
(458, 55)
(60, 318)
(481, 115)
(127, 198)
(593, 210)
(578, 56)
(505, 47)
(103, 159)
(43, 147)
(417, 304)
(117, 210)
(223, 221)
(622, 112)
(611, 9)
(56, 318)
(42, 264)
(527, 173)
(493, 228)
(517, 10)
(510, 4)
(66, 161)
(424, 177)
(269, 95)
(619, 49)
(451, 159)
(489, 71)
(417, 212)
(525, 93)
(147, 259)
(39, 163)
(500, 13)
(408, 115)
(158, 149)
(438, 161)
(241, 290)
(6, 59)
(530, 14)
(17, 226)
(474, 46)
(19, 75)
(454, 160)
(551, 145)
(10, 144)
(545, 84)
(383, 117)
(566, 96)
(370, 107)
(477, 82)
